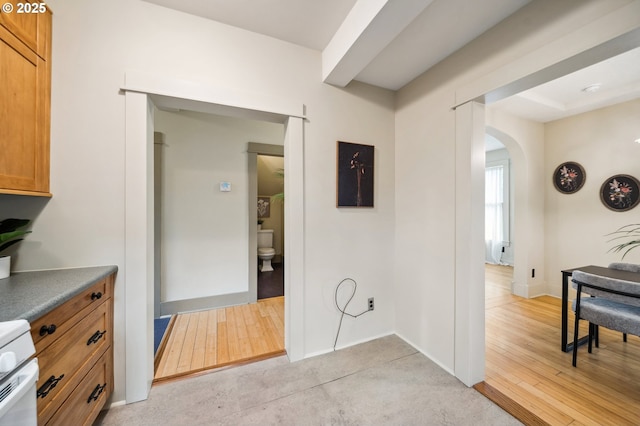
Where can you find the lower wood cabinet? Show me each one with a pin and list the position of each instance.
(74, 347)
(87, 399)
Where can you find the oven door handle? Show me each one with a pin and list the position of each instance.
(27, 377)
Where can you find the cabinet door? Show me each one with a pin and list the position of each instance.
(24, 117)
(29, 22)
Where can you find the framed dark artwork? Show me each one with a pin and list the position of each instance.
(264, 207)
(355, 175)
(569, 177)
(620, 192)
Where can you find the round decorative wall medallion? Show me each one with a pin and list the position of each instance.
(569, 177)
(620, 192)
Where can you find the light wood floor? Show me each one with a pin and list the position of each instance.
(205, 340)
(525, 363)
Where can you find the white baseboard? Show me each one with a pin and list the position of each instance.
(203, 303)
(537, 290)
(115, 404)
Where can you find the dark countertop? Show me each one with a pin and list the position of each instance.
(29, 295)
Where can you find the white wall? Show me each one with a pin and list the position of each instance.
(576, 225)
(348, 242)
(205, 231)
(95, 43)
(426, 168)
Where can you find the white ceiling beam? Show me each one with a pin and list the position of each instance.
(368, 28)
(542, 100)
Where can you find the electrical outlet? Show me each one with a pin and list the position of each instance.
(371, 303)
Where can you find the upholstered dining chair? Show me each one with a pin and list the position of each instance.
(621, 266)
(630, 267)
(614, 304)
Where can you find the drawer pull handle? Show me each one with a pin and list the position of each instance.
(96, 296)
(48, 386)
(47, 329)
(96, 337)
(96, 393)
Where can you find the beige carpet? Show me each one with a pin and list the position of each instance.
(382, 382)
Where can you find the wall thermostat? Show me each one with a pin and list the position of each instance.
(225, 186)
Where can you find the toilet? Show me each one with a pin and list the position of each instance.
(265, 249)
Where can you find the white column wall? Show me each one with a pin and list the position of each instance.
(139, 265)
(469, 243)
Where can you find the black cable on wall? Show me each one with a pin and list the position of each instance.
(344, 309)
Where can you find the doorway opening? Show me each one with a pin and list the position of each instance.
(506, 313)
(499, 218)
(270, 210)
(204, 207)
(142, 95)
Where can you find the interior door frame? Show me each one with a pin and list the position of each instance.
(253, 150)
(142, 92)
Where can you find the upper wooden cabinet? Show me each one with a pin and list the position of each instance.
(25, 97)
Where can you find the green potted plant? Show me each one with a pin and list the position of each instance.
(632, 235)
(10, 232)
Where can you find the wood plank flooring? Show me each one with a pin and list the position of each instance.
(205, 340)
(525, 363)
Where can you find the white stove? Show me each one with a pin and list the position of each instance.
(18, 375)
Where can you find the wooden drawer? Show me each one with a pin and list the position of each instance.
(61, 319)
(64, 362)
(85, 402)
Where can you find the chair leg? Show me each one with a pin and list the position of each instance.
(624, 337)
(592, 331)
(576, 326)
(575, 342)
(597, 334)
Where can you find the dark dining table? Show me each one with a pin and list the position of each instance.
(590, 269)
